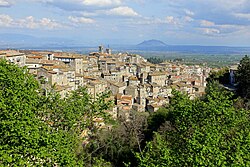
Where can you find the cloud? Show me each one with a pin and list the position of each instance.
(81, 20)
(171, 20)
(79, 5)
(100, 3)
(5, 21)
(189, 12)
(29, 22)
(210, 31)
(188, 19)
(242, 15)
(5, 3)
(89, 14)
(206, 23)
(32, 23)
(230, 4)
(122, 11)
(50, 24)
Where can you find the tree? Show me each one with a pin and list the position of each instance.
(155, 121)
(221, 76)
(74, 115)
(26, 140)
(155, 60)
(242, 76)
(43, 131)
(116, 145)
(208, 132)
(155, 154)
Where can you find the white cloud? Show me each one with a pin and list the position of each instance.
(242, 15)
(122, 11)
(206, 23)
(171, 20)
(210, 31)
(81, 5)
(188, 19)
(148, 21)
(81, 20)
(51, 24)
(89, 14)
(189, 12)
(209, 27)
(29, 22)
(230, 4)
(101, 2)
(5, 21)
(5, 3)
(32, 23)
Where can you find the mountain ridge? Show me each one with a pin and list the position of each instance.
(152, 43)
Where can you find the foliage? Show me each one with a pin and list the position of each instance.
(155, 60)
(155, 154)
(208, 132)
(75, 115)
(25, 139)
(155, 121)
(242, 76)
(75, 112)
(221, 76)
(44, 131)
(116, 145)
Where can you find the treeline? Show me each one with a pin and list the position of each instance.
(155, 60)
(51, 131)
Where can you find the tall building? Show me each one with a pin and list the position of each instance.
(101, 49)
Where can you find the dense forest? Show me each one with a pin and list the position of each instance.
(53, 131)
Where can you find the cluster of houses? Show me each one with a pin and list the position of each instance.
(135, 83)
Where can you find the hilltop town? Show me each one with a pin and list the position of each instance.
(135, 83)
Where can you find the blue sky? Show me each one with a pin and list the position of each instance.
(188, 22)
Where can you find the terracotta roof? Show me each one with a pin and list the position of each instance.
(52, 72)
(126, 97)
(35, 57)
(33, 61)
(126, 108)
(133, 78)
(11, 53)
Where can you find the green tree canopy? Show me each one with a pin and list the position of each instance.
(243, 77)
(209, 132)
(44, 131)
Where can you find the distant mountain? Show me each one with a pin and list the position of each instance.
(10, 40)
(8, 37)
(152, 43)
